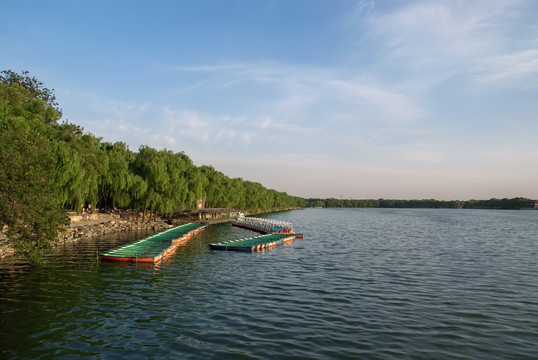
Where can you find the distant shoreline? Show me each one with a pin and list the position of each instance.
(517, 203)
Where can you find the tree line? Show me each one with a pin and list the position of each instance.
(504, 204)
(49, 167)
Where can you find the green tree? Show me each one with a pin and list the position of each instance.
(196, 182)
(214, 183)
(30, 209)
(117, 180)
(175, 193)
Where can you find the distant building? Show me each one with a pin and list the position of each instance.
(201, 203)
(216, 214)
(533, 204)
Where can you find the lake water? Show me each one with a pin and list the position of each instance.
(363, 284)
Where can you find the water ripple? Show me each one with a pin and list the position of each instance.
(365, 283)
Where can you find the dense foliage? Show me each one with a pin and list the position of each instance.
(29, 212)
(49, 167)
(505, 204)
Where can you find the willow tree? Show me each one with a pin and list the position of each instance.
(95, 165)
(238, 190)
(70, 173)
(139, 188)
(196, 183)
(30, 210)
(253, 196)
(156, 168)
(116, 182)
(175, 194)
(214, 185)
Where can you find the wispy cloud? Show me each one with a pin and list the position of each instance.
(392, 105)
(304, 90)
(437, 41)
(521, 65)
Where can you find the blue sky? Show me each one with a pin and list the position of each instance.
(335, 98)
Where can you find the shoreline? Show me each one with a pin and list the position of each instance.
(86, 226)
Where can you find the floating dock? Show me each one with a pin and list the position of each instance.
(265, 226)
(156, 247)
(256, 243)
(274, 232)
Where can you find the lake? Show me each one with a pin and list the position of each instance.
(363, 284)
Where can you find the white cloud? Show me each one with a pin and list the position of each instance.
(521, 65)
(184, 123)
(162, 126)
(308, 93)
(394, 106)
(437, 41)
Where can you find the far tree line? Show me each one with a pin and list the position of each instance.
(504, 204)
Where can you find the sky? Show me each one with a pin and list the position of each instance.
(318, 98)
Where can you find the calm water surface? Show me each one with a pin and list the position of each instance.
(363, 284)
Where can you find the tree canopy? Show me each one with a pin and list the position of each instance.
(30, 210)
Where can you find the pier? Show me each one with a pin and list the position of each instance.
(156, 247)
(256, 243)
(264, 226)
(274, 232)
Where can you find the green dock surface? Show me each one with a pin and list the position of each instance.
(253, 243)
(152, 247)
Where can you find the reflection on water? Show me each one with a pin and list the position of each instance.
(364, 283)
